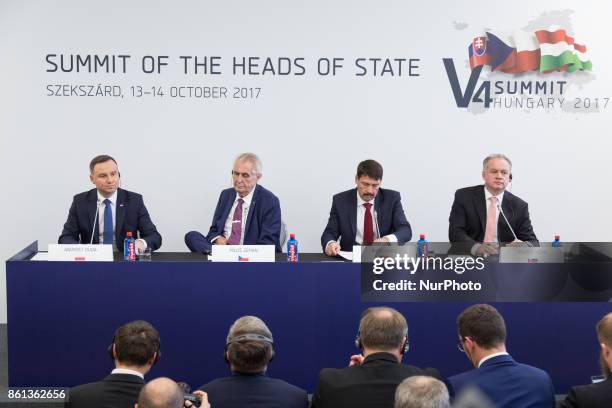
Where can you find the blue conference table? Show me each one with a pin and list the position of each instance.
(62, 316)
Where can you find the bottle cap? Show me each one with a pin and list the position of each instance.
(291, 236)
(557, 237)
(422, 236)
(129, 234)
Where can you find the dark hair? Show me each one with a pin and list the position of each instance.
(483, 324)
(382, 328)
(249, 356)
(370, 168)
(103, 158)
(136, 343)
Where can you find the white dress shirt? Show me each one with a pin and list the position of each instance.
(127, 371)
(227, 230)
(500, 197)
(101, 208)
(490, 356)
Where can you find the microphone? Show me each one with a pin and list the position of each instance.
(507, 223)
(376, 223)
(93, 226)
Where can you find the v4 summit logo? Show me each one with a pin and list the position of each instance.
(541, 52)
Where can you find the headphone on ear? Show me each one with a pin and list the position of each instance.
(404, 350)
(248, 337)
(510, 177)
(157, 351)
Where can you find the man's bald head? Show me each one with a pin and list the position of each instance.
(382, 328)
(160, 393)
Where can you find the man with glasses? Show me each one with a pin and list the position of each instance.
(246, 214)
(507, 383)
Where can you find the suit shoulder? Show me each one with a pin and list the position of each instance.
(344, 195)
(85, 388)
(83, 196)
(515, 199)
(468, 191)
(130, 194)
(389, 194)
(265, 193)
(287, 387)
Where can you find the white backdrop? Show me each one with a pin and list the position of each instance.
(309, 130)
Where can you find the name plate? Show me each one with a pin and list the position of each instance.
(243, 253)
(80, 253)
(530, 255)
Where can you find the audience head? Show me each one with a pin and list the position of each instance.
(160, 393)
(604, 335)
(482, 332)
(382, 329)
(136, 345)
(421, 392)
(249, 345)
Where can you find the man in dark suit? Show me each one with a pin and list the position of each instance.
(248, 350)
(598, 394)
(365, 214)
(371, 379)
(107, 213)
(135, 348)
(246, 214)
(507, 383)
(477, 215)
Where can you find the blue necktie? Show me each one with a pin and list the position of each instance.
(108, 223)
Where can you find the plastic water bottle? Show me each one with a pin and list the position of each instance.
(422, 246)
(557, 242)
(292, 249)
(129, 247)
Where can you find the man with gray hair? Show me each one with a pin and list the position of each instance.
(421, 392)
(371, 379)
(483, 216)
(246, 214)
(249, 348)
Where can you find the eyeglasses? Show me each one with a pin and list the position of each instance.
(460, 345)
(245, 176)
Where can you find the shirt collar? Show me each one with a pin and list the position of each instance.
(488, 195)
(247, 198)
(361, 201)
(490, 356)
(127, 371)
(113, 198)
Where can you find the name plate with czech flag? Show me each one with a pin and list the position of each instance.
(243, 253)
(80, 253)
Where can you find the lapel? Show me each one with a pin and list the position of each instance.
(352, 212)
(120, 214)
(481, 206)
(92, 204)
(228, 198)
(508, 209)
(251, 213)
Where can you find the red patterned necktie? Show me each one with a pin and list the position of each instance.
(234, 238)
(368, 228)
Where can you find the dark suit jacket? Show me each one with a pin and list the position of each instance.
(263, 220)
(590, 396)
(131, 214)
(343, 218)
(369, 385)
(115, 391)
(254, 390)
(468, 217)
(507, 384)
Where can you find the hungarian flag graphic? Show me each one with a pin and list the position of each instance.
(545, 51)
